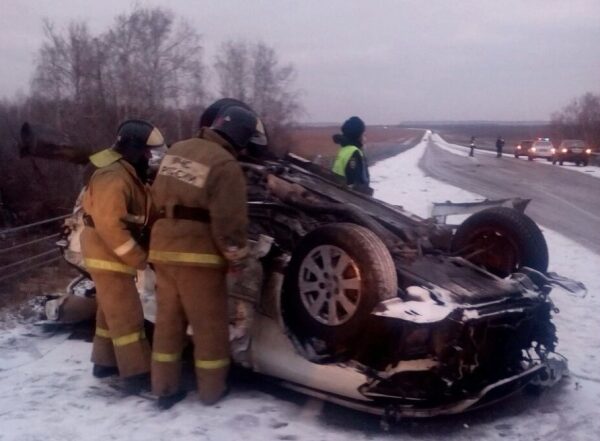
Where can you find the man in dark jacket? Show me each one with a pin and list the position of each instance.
(499, 146)
(351, 162)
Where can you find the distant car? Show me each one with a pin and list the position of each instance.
(541, 148)
(572, 150)
(522, 148)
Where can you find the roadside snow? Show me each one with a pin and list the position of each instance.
(47, 392)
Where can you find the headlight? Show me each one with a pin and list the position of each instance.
(553, 150)
(588, 151)
(533, 149)
(564, 150)
(518, 147)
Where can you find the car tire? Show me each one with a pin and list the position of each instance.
(584, 163)
(560, 162)
(511, 239)
(329, 302)
(517, 156)
(554, 162)
(529, 158)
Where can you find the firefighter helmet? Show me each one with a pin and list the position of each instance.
(239, 125)
(139, 135)
(258, 139)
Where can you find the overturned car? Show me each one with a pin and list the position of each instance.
(364, 304)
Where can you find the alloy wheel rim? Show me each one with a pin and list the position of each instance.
(330, 285)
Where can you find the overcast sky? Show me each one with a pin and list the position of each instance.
(385, 60)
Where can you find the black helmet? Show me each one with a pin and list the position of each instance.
(210, 113)
(238, 125)
(138, 134)
(135, 139)
(258, 141)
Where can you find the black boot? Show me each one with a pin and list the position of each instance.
(100, 371)
(136, 383)
(169, 401)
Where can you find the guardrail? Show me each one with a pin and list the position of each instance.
(12, 230)
(23, 249)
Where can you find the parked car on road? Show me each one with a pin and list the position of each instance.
(572, 150)
(522, 148)
(541, 148)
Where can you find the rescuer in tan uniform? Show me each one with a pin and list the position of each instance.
(200, 194)
(117, 205)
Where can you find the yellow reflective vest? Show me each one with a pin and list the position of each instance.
(343, 157)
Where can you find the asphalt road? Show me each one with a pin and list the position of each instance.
(562, 200)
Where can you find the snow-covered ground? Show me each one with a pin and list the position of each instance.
(47, 392)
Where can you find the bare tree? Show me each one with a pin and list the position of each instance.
(233, 69)
(146, 66)
(253, 74)
(154, 64)
(65, 75)
(580, 119)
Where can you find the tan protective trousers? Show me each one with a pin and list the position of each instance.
(120, 339)
(194, 295)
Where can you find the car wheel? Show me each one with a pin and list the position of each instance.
(529, 158)
(337, 274)
(577, 163)
(554, 162)
(584, 163)
(517, 156)
(502, 240)
(560, 163)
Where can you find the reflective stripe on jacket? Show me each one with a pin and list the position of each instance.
(118, 203)
(343, 157)
(200, 173)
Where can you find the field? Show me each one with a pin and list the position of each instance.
(310, 141)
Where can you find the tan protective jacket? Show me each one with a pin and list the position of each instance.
(118, 203)
(200, 173)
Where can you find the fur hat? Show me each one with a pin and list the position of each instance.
(353, 128)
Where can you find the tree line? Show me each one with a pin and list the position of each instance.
(148, 64)
(580, 119)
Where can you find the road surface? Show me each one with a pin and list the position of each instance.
(563, 200)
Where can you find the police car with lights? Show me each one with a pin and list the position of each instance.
(541, 148)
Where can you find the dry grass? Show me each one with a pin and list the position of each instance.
(312, 141)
